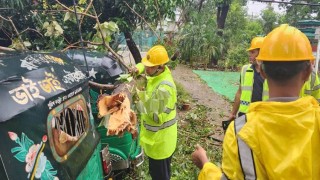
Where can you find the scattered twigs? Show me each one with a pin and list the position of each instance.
(210, 136)
(198, 139)
(143, 20)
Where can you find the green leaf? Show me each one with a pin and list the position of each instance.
(58, 29)
(130, 79)
(27, 43)
(45, 25)
(66, 16)
(96, 27)
(104, 25)
(82, 1)
(112, 26)
(194, 116)
(107, 39)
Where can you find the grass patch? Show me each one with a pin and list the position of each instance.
(182, 96)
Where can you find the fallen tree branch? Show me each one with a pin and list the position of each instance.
(86, 11)
(76, 47)
(30, 29)
(6, 49)
(95, 16)
(101, 86)
(74, 44)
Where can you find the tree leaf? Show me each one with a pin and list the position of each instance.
(58, 29)
(66, 17)
(27, 43)
(45, 25)
(113, 26)
(82, 1)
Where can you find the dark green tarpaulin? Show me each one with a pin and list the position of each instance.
(223, 83)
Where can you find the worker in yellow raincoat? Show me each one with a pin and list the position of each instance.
(278, 138)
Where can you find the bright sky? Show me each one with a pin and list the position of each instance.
(255, 8)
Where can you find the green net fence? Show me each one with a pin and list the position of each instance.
(221, 82)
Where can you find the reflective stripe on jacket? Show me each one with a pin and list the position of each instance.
(311, 87)
(158, 134)
(279, 140)
(247, 80)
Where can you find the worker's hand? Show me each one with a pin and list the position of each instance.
(231, 117)
(199, 156)
(133, 71)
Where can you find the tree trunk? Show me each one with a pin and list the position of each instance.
(213, 62)
(221, 17)
(132, 47)
(200, 5)
(222, 13)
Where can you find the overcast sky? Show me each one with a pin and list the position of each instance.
(255, 8)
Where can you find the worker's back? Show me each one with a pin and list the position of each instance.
(284, 138)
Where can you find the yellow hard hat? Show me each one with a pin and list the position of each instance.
(286, 43)
(157, 55)
(256, 43)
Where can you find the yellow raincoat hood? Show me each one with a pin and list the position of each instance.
(284, 138)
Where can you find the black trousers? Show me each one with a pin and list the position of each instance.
(160, 169)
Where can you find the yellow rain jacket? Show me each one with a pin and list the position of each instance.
(280, 140)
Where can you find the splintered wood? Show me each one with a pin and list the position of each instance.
(122, 118)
